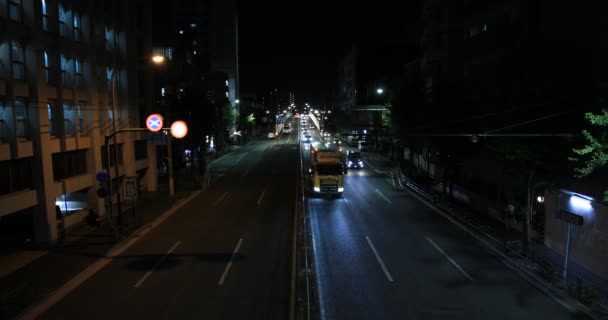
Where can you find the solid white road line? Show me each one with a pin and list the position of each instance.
(236, 250)
(261, 197)
(449, 259)
(220, 198)
(156, 265)
(241, 158)
(371, 245)
(383, 197)
(246, 172)
(393, 178)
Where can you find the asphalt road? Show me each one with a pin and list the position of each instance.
(380, 253)
(225, 255)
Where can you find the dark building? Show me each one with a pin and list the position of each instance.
(199, 41)
(520, 59)
(365, 79)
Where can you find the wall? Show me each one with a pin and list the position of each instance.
(588, 243)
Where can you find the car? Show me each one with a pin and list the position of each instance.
(270, 135)
(354, 160)
(337, 141)
(306, 138)
(354, 142)
(312, 126)
(363, 146)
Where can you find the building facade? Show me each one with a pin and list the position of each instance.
(57, 61)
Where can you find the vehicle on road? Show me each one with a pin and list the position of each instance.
(363, 146)
(326, 172)
(353, 142)
(287, 128)
(271, 135)
(354, 160)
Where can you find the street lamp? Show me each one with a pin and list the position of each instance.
(379, 91)
(157, 59)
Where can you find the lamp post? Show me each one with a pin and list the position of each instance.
(158, 59)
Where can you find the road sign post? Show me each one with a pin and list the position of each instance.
(571, 219)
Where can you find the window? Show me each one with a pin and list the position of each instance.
(109, 35)
(78, 71)
(50, 107)
(15, 10)
(81, 118)
(109, 72)
(69, 164)
(45, 17)
(65, 75)
(104, 155)
(63, 18)
(22, 116)
(18, 61)
(76, 26)
(46, 66)
(69, 117)
(16, 175)
(141, 149)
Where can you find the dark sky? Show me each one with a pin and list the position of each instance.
(296, 45)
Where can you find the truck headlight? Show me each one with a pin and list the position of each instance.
(341, 189)
(317, 189)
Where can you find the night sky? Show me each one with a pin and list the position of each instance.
(296, 46)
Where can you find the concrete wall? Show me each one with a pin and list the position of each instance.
(589, 242)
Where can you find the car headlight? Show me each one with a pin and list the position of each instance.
(361, 163)
(317, 189)
(341, 189)
(350, 162)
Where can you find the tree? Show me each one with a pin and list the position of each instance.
(595, 153)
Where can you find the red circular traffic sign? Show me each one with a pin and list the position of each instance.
(154, 122)
(179, 129)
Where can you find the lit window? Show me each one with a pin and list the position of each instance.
(46, 66)
(162, 92)
(77, 66)
(63, 17)
(193, 25)
(484, 28)
(45, 17)
(76, 26)
(227, 95)
(181, 31)
(227, 84)
(194, 52)
(18, 61)
(15, 10)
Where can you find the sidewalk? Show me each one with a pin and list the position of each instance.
(545, 265)
(33, 279)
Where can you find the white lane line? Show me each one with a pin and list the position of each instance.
(393, 178)
(383, 197)
(449, 259)
(261, 197)
(158, 263)
(371, 245)
(246, 172)
(241, 158)
(220, 199)
(236, 250)
(38, 309)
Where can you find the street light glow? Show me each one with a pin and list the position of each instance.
(237, 101)
(380, 91)
(158, 59)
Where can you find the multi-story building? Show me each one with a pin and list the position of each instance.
(57, 61)
(292, 99)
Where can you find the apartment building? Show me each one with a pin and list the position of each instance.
(57, 61)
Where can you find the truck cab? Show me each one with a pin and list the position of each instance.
(327, 172)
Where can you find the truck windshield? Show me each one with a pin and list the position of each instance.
(329, 169)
